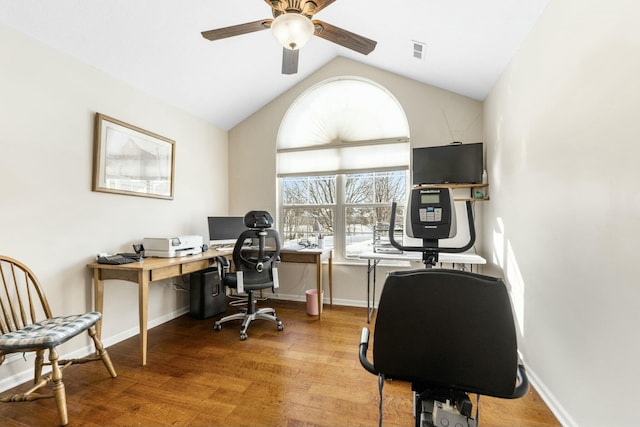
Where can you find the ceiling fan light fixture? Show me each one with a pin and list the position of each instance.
(292, 30)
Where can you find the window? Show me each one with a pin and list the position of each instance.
(368, 198)
(343, 157)
(308, 209)
(345, 208)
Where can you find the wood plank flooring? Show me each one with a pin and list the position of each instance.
(306, 375)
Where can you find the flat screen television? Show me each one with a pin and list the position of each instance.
(448, 164)
(225, 230)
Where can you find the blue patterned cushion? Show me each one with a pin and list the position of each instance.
(48, 333)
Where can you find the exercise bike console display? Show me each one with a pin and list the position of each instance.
(432, 214)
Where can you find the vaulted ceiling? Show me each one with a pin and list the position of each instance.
(156, 45)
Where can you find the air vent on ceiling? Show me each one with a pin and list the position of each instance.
(418, 49)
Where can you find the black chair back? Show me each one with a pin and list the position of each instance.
(257, 250)
(448, 330)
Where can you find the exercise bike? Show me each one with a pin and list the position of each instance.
(447, 332)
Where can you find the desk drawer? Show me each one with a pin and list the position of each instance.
(165, 272)
(301, 257)
(190, 267)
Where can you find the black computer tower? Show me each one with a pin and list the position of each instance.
(207, 294)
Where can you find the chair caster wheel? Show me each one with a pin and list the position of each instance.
(280, 326)
(243, 337)
(217, 327)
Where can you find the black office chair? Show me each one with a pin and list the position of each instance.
(255, 256)
(449, 333)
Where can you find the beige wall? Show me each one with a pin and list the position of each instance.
(562, 225)
(433, 114)
(564, 219)
(49, 217)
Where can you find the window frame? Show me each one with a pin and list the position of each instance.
(339, 208)
(337, 127)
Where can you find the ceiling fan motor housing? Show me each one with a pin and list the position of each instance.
(304, 7)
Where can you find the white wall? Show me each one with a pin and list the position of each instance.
(252, 157)
(564, 218)
(49, 217)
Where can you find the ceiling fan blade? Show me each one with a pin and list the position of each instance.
(344, 38)
(322, 4)
(236, 30)
(290, 61)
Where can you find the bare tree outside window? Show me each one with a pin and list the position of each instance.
(310, 203)
(368, 207)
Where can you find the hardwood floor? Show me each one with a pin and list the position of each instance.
(306, 375)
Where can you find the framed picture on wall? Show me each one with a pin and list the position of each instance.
(130, 160)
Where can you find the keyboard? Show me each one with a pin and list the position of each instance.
(223, 247)
(115, 260)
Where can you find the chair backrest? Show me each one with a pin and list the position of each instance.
(22, 300)
(257, 250)
(447, 329)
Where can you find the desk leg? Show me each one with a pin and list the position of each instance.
(331, 278)
(368, 289)
(143, 307)
(371, 298)
(98, 298)
(319, 283)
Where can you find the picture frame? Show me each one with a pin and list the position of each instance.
(132, 161)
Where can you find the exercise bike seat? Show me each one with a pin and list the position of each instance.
(447, 330)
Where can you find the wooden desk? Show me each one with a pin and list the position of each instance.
(313, 256)
(153, 269)
(143, 273)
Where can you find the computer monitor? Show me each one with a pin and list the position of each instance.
(225, 230)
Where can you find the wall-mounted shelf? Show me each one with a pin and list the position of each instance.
(471, 187)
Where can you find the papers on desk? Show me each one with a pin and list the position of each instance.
(293, 247)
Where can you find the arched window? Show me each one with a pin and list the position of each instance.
(343, 157)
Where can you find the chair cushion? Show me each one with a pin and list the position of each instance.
(48, 333)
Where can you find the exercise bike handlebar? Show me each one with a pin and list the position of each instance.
(430, 250)
(469, 245)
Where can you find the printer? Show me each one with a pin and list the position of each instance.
(171, 247)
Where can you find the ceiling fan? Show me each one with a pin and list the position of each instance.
(293, 26)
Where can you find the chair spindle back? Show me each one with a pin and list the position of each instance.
(22, 300)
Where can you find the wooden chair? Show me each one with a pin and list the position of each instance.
(27, 325)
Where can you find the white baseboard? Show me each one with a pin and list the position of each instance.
(558, 410)
(325, 300)
(24, 372)
(109, 341)
(20, 375)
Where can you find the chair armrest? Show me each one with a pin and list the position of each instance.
(364, 345)
(523, 383)
(223, 265)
